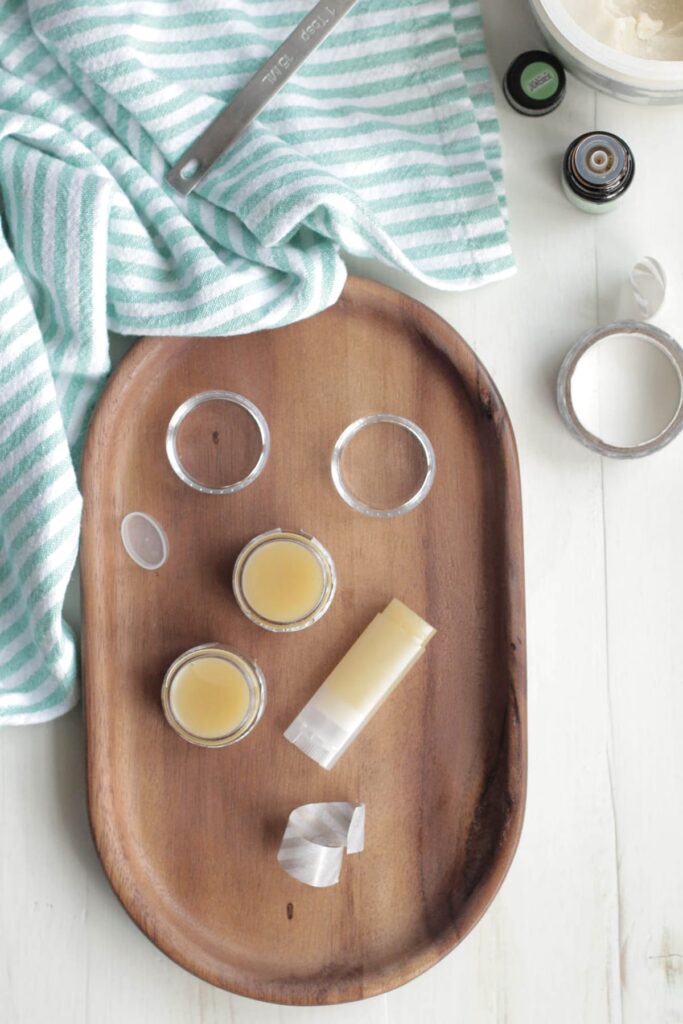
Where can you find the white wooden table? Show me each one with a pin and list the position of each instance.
(588, 927)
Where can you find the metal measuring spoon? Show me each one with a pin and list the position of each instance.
(231, 123)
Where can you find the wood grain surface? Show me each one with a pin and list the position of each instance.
(188, 836)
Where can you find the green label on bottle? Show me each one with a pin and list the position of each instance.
(539, 80)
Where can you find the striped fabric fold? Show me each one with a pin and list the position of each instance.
(385, 144)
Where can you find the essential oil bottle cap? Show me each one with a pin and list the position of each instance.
(535, 83)
(597, 169)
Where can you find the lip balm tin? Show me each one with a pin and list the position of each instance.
(597, 170)
(220, 703)
(284, 580)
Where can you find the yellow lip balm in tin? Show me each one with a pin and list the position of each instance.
(284, 581)
(212, 696)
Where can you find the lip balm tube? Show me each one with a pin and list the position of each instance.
(369, 671)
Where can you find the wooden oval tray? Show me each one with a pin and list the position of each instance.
(187, 836)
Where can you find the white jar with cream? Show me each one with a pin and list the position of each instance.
(632, 49)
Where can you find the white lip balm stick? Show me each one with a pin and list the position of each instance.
(369, 671)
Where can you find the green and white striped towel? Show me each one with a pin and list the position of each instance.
(384, 144)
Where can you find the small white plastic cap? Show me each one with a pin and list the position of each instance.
(144, 540)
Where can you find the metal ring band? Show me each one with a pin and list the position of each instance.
(565, 403)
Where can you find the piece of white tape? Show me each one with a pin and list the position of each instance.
(648, 285)
(316, 837)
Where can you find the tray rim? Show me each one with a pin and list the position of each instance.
(109, 846)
